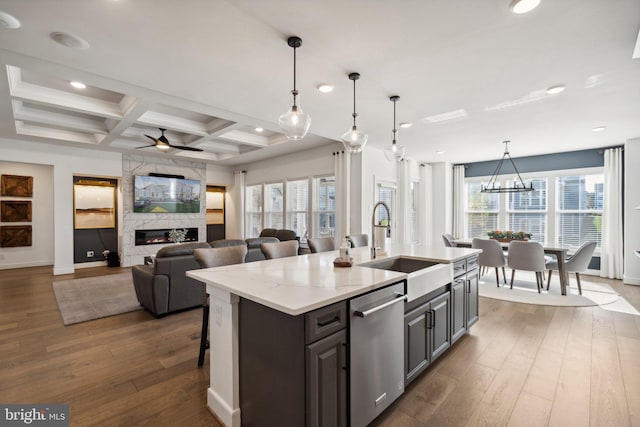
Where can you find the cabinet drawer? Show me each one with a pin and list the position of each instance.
(472, 263)
(460, 267)
(325, 321)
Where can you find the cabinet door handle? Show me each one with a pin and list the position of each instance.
(433, 319)
(328, 322)
(429, 317)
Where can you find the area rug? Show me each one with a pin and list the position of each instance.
(91, 298)
(525, 291)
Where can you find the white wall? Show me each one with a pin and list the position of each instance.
(66, 162)
(631, 214)
(41, 250)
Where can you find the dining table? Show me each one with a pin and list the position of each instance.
(559, 252)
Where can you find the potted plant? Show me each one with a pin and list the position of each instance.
(508, 235)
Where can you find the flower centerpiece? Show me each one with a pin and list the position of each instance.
(177, 235)
(507, 236)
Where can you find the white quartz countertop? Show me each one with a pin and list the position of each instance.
(299, 284)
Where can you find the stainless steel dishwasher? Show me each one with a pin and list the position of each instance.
(376, 352)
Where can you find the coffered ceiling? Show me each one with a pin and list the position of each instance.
(469, 74)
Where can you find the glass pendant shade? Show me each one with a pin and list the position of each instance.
(295, 123)
(354, 140)
(395, 152)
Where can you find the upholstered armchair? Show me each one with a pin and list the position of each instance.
(163, 287)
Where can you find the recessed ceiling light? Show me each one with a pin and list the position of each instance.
(8, 21)
(598, 128)
(325, 88)
(556, 89)
(406, 125)
(523, 6)
(259, 129)
(70, 40)
(439, 152)
(78, 85)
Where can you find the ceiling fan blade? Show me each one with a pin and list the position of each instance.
(146, 146)
(185, 147)
(151, 138)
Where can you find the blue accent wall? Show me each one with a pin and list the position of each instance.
(546, 162)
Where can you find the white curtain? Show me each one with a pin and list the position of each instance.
(611, 260)
(425, 211)
(342, 166)
(238, 202)
(403, 223)
(458, 201)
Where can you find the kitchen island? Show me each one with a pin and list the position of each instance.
(290, 290)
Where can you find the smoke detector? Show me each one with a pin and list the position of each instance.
(70, 40)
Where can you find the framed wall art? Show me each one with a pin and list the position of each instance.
(15, 211)
(12, 236)
(16, 186)
(94, 204)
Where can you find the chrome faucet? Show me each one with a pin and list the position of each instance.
(373, 227)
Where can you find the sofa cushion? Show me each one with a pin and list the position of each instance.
(268, 232)
(255, 243)
(223, 243)
(181, 249)
(284, 235)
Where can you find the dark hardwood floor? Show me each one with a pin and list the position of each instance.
(521, 364)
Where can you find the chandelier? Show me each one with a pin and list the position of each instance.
(518, 184)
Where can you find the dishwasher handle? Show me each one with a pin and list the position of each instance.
(380, 307)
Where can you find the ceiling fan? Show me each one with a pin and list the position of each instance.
(163, 143)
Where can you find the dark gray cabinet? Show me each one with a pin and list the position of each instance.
(326, 380)
(472, 282)
(293, 369)
(427, 334)
(458, 309)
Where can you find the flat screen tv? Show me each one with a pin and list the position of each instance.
(157, 194)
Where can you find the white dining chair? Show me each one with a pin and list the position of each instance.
(527, 256)
(491, 256)
(449, 240)
(575, 263)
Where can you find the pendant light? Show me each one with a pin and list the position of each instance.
(518, 187)
(295, 123)
(353, 139)
(394, 151)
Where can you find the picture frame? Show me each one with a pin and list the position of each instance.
(15, 211)
(12, 236)
(16, 186)
(94, 205)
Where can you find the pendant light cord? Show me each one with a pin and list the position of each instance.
(354, 104)
(294, 91)
(394, 122)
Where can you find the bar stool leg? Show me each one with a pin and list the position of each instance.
(204, 341)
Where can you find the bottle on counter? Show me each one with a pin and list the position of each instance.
(345, 250)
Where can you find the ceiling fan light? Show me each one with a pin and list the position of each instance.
(295, 123)
(523, 6)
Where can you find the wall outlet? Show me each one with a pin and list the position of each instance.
(90, 254)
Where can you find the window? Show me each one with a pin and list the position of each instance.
(482, 211)
(273, 206)
(386, 192)
(579, 212)
(253, 210)
(527, 211)
(324, 215)
(298, 207)
(564, 210)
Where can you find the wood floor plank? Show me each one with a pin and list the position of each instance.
(530, 411)
(543, 376)
(629, 349)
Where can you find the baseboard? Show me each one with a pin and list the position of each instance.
(57, 271)
(90, 264)
(631, 280)
(25, 264)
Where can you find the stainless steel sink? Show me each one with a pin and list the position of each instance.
(423, 276)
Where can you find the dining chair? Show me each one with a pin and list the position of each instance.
(527, 256)
(279, 249)
(491, 256)
(321, 244)
(449, 240)
(214, 257)
(575, 263)
(358, 240)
